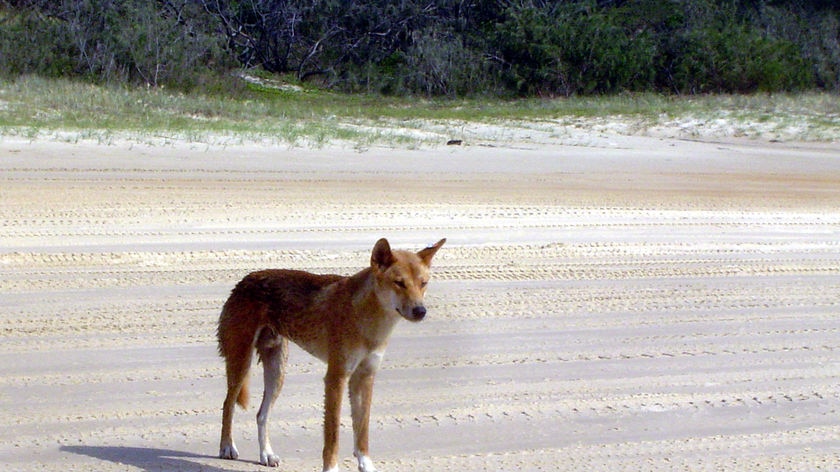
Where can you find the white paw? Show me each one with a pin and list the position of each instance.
(365, 464)
(228, 452)
(269, 459)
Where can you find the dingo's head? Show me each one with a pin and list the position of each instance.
(401, 278)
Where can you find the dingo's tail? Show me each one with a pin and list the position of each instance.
(236, 335)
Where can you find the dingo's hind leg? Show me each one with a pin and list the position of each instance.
(274, 352)
(237, 364)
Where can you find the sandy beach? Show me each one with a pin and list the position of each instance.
(629, 303)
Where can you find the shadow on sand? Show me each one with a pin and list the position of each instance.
(149, 459)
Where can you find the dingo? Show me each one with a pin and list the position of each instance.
(344, 321)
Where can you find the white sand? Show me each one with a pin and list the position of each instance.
(630, 303)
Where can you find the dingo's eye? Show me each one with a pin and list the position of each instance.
(399, 283)
(423, 284)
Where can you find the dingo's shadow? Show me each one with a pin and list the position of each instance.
(148, 458)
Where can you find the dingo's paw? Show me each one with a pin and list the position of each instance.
(365, 464)
(269, 459)
(228, 452)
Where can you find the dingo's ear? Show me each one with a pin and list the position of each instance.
(382, 257)
(427, 254)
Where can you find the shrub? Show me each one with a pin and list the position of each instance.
(438, 63)
(824, 51)
(574, 48)
(154, 43)
(723, 48)
(31, 44)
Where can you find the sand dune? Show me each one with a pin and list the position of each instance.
(650, 304)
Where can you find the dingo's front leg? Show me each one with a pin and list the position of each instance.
(334, 384)
(274, 366)
(361, 394)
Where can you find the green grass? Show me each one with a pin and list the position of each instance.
(34, 107)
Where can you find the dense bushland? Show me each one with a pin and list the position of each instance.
(114, 41)
(434, 47)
